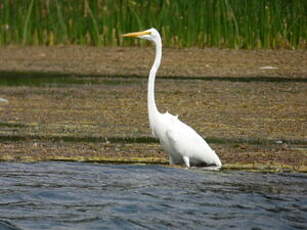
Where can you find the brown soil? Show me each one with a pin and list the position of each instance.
(257, 124)
(136, 61)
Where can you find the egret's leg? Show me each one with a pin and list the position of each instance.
(186, 161)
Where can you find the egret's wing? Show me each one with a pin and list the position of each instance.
(185, 141)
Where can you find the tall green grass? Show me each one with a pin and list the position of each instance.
(182, 23)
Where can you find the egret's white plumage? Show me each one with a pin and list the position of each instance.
(182, 143)
(3, 100)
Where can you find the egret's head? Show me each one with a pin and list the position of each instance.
(151, 34)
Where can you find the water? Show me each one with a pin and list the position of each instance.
(50, 79)
(63, 195)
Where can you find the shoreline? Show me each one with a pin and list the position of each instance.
(223, 94)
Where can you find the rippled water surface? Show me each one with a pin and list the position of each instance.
(60, 195)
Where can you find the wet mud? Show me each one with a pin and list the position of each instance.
(89, 104)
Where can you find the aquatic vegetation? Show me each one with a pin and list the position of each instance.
(214, 23)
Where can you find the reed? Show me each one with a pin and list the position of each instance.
(207, 23)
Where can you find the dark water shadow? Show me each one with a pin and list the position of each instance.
(50, 79)
(146, 139)
(32, 78)
(12, 125)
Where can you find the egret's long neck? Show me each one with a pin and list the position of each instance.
(152, 108)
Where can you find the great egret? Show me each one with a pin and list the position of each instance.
(3, 100)
(182, 143)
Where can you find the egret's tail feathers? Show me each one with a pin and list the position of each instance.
(209, 168)
(212, 168)
(218, 163)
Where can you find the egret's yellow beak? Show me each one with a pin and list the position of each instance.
(136, 34)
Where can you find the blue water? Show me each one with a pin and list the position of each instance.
(62, 195)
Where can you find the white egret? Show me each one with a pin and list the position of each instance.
(3, 100)
(182, 143)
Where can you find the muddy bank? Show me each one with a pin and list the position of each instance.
(257, 121)
(136, 61)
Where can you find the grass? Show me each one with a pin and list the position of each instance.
(209, 23)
